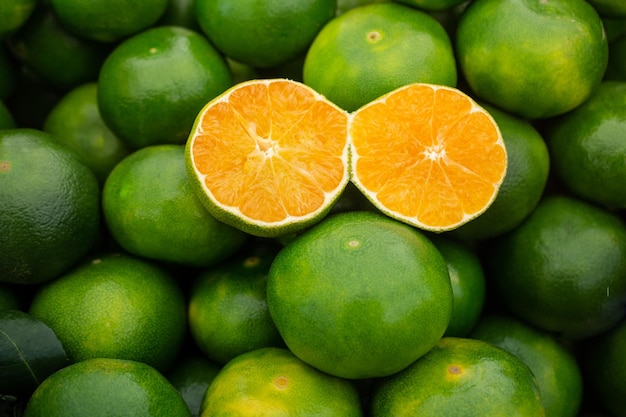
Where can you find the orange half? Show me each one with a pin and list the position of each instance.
(270, 156)
(427, 155)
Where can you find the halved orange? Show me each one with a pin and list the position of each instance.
(427, 155)
(269, 156)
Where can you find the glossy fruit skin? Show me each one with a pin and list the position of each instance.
(531, 40)
(102, 387)
(152, 85)
(563, 269)
(108, 20)
(151, 210)
(49, 207)
(115, 306)
(272, 381)
(13, 14)
(371, 50)
(58, 57)
(340, 292)
(227, 309)
(605, 368)
(460, 377)
(468, 284)
(263, 33)
(75, 122)
(588, 149)
(527, 171)
(556, 368)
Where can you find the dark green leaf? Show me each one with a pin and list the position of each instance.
(29, 352)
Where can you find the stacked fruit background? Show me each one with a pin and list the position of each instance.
(313, 208)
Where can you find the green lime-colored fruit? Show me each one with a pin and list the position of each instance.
(588, 147)
(525, 57)
(604, 366)
(152, 85)
(274, 382)
(263, 33)
(468, 284)
(463, 378)
(191, 376)
(435, 5)
(152, 211)
(563, 269)
(13, 15)
(228, 313)
(528, 167)
(372, 50)
(58, 57)
(360, 295)
(115, 306)
(108, 20)
(556, 369)
(75, 121)
(106, 387)
(49, 207)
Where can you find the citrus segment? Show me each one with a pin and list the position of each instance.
(427, 155)
(269, 155)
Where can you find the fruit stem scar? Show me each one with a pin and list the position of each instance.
(455, 369)
(251, 261)
(374, 36)
(281, 382)
(354, 243)
(5, 166)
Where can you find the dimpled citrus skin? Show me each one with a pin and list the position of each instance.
(340, 292)
(115, 306)
(558, 374)
(273, 382)
(49, 207)
(152, 85)
(588, 148)
(152, 211)
(460, 377)
(563, 269)
(518, 61)
(102, 387)
(371, 50)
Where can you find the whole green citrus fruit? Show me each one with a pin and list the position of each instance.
(153, 84)
(525, 57)
(108, 20)
(463, 378)
(563, 269)
(263, 33)
(102, 387)
(75, 122)
(49, 207)
(58, 57)
(371, 50)
(152, 211)
(228, 313)
(588, 146)
(273, 382)
(360, 295)
(558, 374)
(115, 306)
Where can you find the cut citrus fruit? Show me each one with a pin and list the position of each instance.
(269, 156)
(427, 155)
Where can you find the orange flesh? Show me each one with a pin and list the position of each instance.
(272, 150)
(428, 154)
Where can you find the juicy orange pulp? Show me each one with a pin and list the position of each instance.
(427, 155)
(271, 151)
